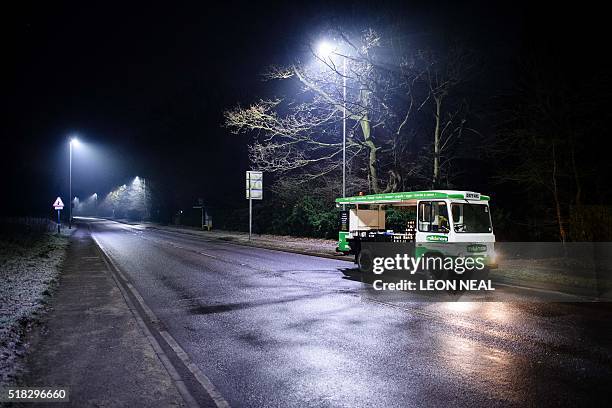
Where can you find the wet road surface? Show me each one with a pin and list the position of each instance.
(276, 329)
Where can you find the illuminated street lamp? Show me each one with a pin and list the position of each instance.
(325, 52)
(144, 197)
(74, 142)
(95, 197)
(325, 49)
(142, 183)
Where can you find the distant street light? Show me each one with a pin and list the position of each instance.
(142, 182)
(73, 142)
(95, 196)
(325, 52)
(144, 197)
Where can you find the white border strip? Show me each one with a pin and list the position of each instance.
(202, 379)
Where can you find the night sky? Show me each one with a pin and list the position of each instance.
(145, 86)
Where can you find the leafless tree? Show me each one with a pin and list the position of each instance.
(443, 73)
(378, 91)
(538, 140)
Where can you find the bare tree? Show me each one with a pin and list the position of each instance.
(538, 142)
(443, 73)
(302, 134)
(381, 93)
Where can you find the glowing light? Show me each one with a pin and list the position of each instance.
(325, 49)
(75, 142)
(126, 201)
(499, 311)
(494, 257)
(460, 307)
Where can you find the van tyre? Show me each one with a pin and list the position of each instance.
(482, 274)
(434, 273)
(364, 261)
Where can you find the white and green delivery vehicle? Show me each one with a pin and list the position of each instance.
(440, 223)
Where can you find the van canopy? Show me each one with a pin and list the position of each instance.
(410, 197)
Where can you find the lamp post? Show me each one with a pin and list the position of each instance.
(326, 50)
(144, 198)
(142, 183)
(73, 142)
(344, 128)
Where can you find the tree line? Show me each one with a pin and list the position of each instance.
(415, 118)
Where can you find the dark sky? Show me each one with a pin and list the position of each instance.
(145, 85)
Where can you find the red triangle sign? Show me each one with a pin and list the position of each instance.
(58, 204)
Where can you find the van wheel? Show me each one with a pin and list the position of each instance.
(481, 274)
(436, 271)
(364, 261)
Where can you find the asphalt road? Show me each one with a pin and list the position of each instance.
(276, 329)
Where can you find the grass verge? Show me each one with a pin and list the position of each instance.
(30, 261)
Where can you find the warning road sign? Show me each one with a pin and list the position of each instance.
(58, 204)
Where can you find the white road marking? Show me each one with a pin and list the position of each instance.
(202, 379)
(170, 369)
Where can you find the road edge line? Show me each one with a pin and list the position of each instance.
(163, 358)
(200, 377)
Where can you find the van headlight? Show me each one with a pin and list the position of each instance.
(493, 256)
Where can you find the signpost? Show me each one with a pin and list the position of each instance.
(254, 191)
(201, 208)
(58, 205)
(205, 218)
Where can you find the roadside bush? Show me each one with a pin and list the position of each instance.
(305, 217)
(312, 218)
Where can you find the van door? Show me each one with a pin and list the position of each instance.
(433, 226)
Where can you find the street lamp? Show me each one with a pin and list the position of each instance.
(95, 196)
(142, 182)
(74, 142)
(144, 197)
(326, 51)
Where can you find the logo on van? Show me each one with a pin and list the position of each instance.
(436, 238)
(477, 248)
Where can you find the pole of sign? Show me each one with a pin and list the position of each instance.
(201, 207)
(250, 207)
(58, 221)
(70, 191)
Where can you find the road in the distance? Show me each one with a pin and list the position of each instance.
(276, 329)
